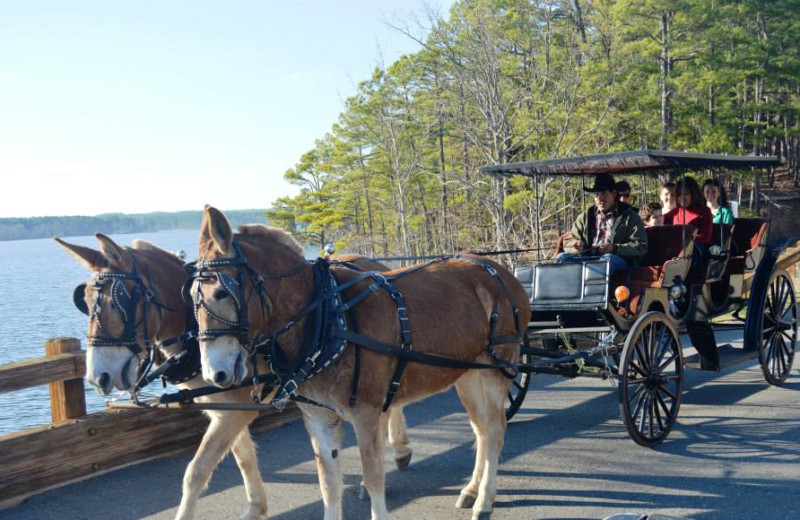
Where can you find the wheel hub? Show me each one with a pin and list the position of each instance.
(784, 325)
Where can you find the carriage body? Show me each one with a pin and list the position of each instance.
(579, 327)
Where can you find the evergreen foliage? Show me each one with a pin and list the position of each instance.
(500, 81)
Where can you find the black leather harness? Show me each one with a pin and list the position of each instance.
(326, 332)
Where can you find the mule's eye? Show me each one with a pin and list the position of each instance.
(220, 294)
(113, 306)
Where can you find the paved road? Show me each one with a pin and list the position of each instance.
(734, 454)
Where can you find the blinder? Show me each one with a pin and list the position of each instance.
(186, 291)
(78, 298)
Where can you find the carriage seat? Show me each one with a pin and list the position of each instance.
(667, 250)
(668, 255)
(747, 244)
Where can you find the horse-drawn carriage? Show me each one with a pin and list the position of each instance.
(626, 325)
(268, 320)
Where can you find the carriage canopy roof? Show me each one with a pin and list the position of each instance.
(641, 161)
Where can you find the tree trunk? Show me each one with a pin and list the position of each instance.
(666, 68)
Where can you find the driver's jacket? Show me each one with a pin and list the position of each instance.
(627, 232)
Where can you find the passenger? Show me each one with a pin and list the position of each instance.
(693, 210)
(717, 202)
(651, 214)
(667, 195)
(610, 230)
(624, 190)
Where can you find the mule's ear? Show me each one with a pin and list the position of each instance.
(205, 234)
(117, 257)
(220, 230)
(85, 256)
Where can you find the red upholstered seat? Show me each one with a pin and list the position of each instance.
(664, 244)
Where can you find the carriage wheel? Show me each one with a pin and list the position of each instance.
(651, 379)
(518, 388)
(777, 328)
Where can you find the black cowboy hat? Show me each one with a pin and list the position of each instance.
(602, 182)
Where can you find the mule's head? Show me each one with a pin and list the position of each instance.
(132, 299)
(239, 292)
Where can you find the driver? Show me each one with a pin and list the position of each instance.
(611, 230)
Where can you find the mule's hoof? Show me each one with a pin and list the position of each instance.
(482, 516)
(465, 501)
(403, 462)
(363, 494)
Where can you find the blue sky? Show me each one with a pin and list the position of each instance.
(145, 105)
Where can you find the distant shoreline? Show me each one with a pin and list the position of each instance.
(113, 223)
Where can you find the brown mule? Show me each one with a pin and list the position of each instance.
(110, 366)
(449, 306)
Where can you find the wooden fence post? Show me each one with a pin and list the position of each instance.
(67, 398)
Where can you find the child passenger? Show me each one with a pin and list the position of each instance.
(651, 214)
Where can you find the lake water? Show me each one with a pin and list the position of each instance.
(37, 278)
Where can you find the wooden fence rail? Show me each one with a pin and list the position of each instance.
(77, 446)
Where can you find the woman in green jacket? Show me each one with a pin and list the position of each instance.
(717, 202)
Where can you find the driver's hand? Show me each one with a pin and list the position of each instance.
(579, 245)
(605, 248)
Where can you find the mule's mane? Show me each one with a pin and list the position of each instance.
(271, 234)
(150, 249)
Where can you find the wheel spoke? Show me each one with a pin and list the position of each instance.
(650, 346)
(783, 295)
(510, 397)
(638, 407)
(642, 358)
(661, 346)
(520, 386)
(637, 368)
(657, 413)
(661, 401)
(636, 393)
(666, 363)
(669, 392)
(643, 421)
(781, 355)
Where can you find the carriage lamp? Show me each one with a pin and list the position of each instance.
(677, 291)
(622, 293)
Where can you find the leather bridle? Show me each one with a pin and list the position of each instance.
(210, 271)
(126, 301)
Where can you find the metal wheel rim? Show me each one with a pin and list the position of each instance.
(652, 381)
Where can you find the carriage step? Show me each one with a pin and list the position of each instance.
(728, 357)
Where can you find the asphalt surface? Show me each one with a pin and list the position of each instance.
(734, 454)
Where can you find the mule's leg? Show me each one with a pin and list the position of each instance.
(244, 450)
(324, 428)
(468, 388)
(221, 433)
(370, 427)
(483, 393)
(398, 437)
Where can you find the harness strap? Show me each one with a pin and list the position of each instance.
(405, 345)
(420, 357)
